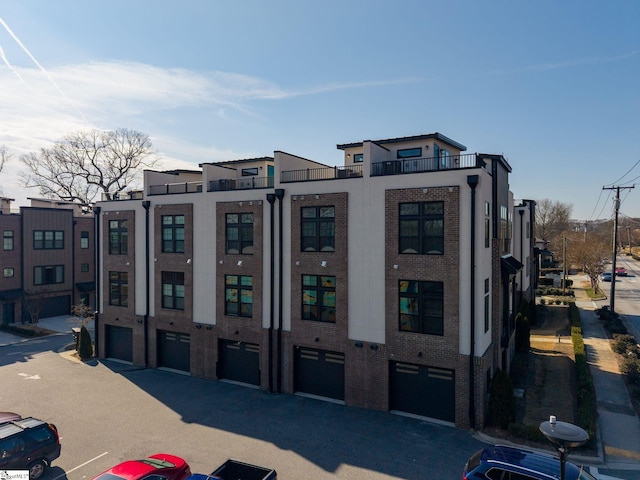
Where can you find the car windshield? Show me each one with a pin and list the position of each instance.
(110, 476)
(158, 463)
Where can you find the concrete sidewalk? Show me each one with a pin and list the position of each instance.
(60, 324)
(618, 424)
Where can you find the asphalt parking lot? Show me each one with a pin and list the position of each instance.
(108, 412)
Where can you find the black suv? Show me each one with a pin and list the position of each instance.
(28, 443)
(501, 462)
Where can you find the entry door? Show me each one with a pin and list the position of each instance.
(174, 350)
(8, 313)
(319, 372)
(239, 361)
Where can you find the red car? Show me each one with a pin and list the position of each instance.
(160, 465)
(621, 272)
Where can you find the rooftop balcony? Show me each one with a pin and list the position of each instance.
(388, 167)
(109, 197)
(243, 183)
(175, 188)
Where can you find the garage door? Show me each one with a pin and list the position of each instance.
(119, 343)
(422, 390)
(51, 307)
(319, 372)
(239, 361)
(174, 350)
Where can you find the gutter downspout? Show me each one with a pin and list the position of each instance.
(96, 313)
(271, 198)
(472, 181)
(146, 204)
(73, 260)
(521, 212)
(279, 195)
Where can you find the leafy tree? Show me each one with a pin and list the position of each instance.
(85, 346)
(502, 403)
(553, 218)
(84, 165)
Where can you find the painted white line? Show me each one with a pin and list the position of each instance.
(64, 475)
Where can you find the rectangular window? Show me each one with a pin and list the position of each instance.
(238, 296)
(249, 172)
(84, 267)
(409, 153)
(84, 239)
(358, 158)
(239, 233)
(318, 229)
(173, 233)
(173, 290)
(118, 237)
(119, 289)
(49, 275)
(421, 307)
(7, 240)
(319, 298)
(8, 272)
(48, 239)
(487, 225)
(487, 306)
(422, 228)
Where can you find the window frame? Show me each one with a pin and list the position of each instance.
(358, 157)
(238, 296)
(41, 275)
(174, 244)
(242, 230)
(48, 239)
(320, 222)
(427, 303)
(84, 239)
(8, 237)
(324, 306)
(8, 272)
(84, 267)
(173, 291)
(413, 231)
(119, 288)
(118, 237)
(414, 152)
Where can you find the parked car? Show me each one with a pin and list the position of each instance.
(28, 444)
(621, 272)
(9, 417)
(160, 465)
(500, 461)
(606, 277)
(236, 470)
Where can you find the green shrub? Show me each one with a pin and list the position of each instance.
(85, 346)
(623, 343)
(502, 403)
(630, 368)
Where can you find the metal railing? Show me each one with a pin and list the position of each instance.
(243, 183)
(136, 195)
(175, 188)
(431, 164)
(323, 173)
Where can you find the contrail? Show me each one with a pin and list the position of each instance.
(42, 69)
(6, 61)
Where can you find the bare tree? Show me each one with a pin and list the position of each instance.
(590, 254)
(5, 156)
(34, 302)
(553, 218)
(84, 165)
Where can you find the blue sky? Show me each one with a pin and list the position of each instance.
(554, 86)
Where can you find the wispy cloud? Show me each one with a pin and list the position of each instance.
(567, 64)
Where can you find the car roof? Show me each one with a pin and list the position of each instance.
(9, 417)
(11, 428)
(139, 468)
(543, 464)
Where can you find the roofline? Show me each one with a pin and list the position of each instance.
(243, 160)
(499, 158)
(428, 136)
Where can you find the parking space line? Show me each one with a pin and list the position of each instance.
(80, 466)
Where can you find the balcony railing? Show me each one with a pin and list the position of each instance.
(417, 165)
(324, 173)
(243, 183)
(175, 188)
(136, 195)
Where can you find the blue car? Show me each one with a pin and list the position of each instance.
(499, 462)
(606, 277)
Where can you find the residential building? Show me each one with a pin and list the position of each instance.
(47, 258)
(388, 282)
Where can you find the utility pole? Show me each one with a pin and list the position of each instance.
(615, 244)
(629, 237)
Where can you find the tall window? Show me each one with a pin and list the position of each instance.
(7, 240)
(118, 237)
(84, 239)
(421, 307)
(48, 239)
(422, 228)
(238, 295)
(173, 290)
(239, 233)
(319, 298)
(173, 233)
(48, 275)
(318, 229)
(119, 289)
(487, 306)
(487, 225)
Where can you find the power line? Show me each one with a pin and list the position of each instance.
(628, 171)
(597, 202)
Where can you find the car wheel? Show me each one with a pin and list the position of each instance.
(36, 469)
